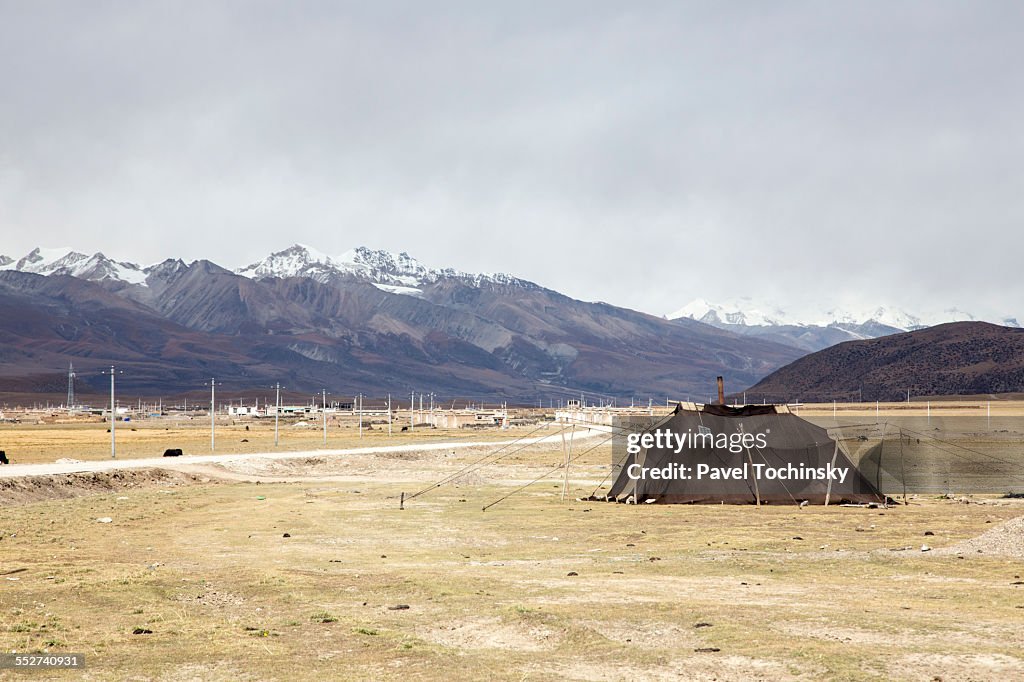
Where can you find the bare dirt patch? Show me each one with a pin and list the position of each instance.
(1006, 539)
(492, 633)
(17, 491)
(645, 634)
(957, 667)
(705, 666)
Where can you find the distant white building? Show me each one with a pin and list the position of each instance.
(460, 419)
(289, 409)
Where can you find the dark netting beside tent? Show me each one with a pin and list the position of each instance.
(933, 455)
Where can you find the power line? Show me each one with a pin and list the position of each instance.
(470, 467)
(545, 475)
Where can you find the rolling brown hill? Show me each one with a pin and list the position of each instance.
(960, 358)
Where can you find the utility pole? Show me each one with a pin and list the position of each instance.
(71, 385)
(324, 408)
(389, 415)
(360, 415)
(213, 412)
(412, 408)
(113, 417)
(113, 414)
(277, 413)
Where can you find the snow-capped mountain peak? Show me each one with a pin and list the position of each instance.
(66, 261)
(381, 267)
(45, 261)
(386, 267)
(394, 272)
(747, 312)
(297, 260)
(742, 312)
(891, 317)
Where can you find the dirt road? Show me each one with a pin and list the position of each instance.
(186, 461)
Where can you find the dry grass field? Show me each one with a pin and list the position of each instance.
(307, 569)
(28, 443)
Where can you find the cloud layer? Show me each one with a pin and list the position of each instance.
(643, 154)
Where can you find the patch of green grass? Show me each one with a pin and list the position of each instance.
(323, 617)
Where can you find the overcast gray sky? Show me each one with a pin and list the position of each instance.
(640, 153)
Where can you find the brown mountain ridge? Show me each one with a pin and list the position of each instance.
(959, 358)
(458, 337)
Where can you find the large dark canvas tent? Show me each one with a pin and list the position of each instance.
(790, 443)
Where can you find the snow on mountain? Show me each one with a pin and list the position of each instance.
(396, 289)
(399, 273)
(297, 260)
(749, 312)
(402, 274)
(900, 319)
(166, 269)
(744, 312)
(385, 267)
(42, 261)
(66, 261)
(890, 317)
(396, 273)
(99, 267)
